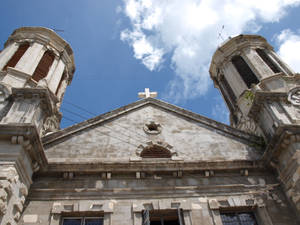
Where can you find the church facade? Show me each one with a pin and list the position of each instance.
(149, 162)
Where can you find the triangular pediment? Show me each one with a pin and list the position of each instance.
(123, 134)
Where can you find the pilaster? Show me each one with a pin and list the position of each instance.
(233, 77)
(285, 68)
(258, 65)
(62, 88)
(7, 53)
(31, 58)
(56, 76)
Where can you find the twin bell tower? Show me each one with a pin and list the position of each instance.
(36, 65)
(263, 97)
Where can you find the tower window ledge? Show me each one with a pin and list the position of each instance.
(275, 76)
(14, 72)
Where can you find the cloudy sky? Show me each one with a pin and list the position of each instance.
(124, 46)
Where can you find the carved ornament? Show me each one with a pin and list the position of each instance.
(155, 145)
(51, 124)
(248, 125)
(152, 128)
(294, 96)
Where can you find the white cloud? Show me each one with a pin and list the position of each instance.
(188, 31)
(289, 48)
(143, 49)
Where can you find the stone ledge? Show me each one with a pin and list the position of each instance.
(148, 165)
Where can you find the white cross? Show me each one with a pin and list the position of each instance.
(147, 94)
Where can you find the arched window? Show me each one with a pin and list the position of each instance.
(267, 60)
(155, 151)
(43, 67)
(245, 71)
(17, 56)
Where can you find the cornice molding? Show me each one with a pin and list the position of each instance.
(27, 136)
(150, 165)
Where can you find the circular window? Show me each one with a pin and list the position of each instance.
(152, 128)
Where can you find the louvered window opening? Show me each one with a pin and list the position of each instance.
(238, 218)
(162, 217)
(43, 67)
(17, 56)
(155, 152)
(267, 60)
(245, 71)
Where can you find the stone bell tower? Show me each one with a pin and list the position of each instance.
(263, 96)
(36, 65)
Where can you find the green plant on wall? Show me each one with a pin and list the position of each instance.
(249, 96)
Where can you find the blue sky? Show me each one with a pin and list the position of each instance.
(124, 46)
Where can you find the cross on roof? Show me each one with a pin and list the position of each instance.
(147, 94)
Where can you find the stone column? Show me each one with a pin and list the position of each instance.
(31, 58)
(284, 67)
(56, 76)
(7, 53)
(234, 79)
(63, 86)
(258, 65)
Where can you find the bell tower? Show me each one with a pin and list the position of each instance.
(36, 65)
(263, 97)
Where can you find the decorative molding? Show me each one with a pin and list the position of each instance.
(137, 164)
(164, 204)
(12, 194)
(255, 204)
(51, 124)
(294, 96)
(59, 208)
(159, 144)
(42, 93)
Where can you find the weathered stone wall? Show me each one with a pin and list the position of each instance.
(120, 139)
(121, 200)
